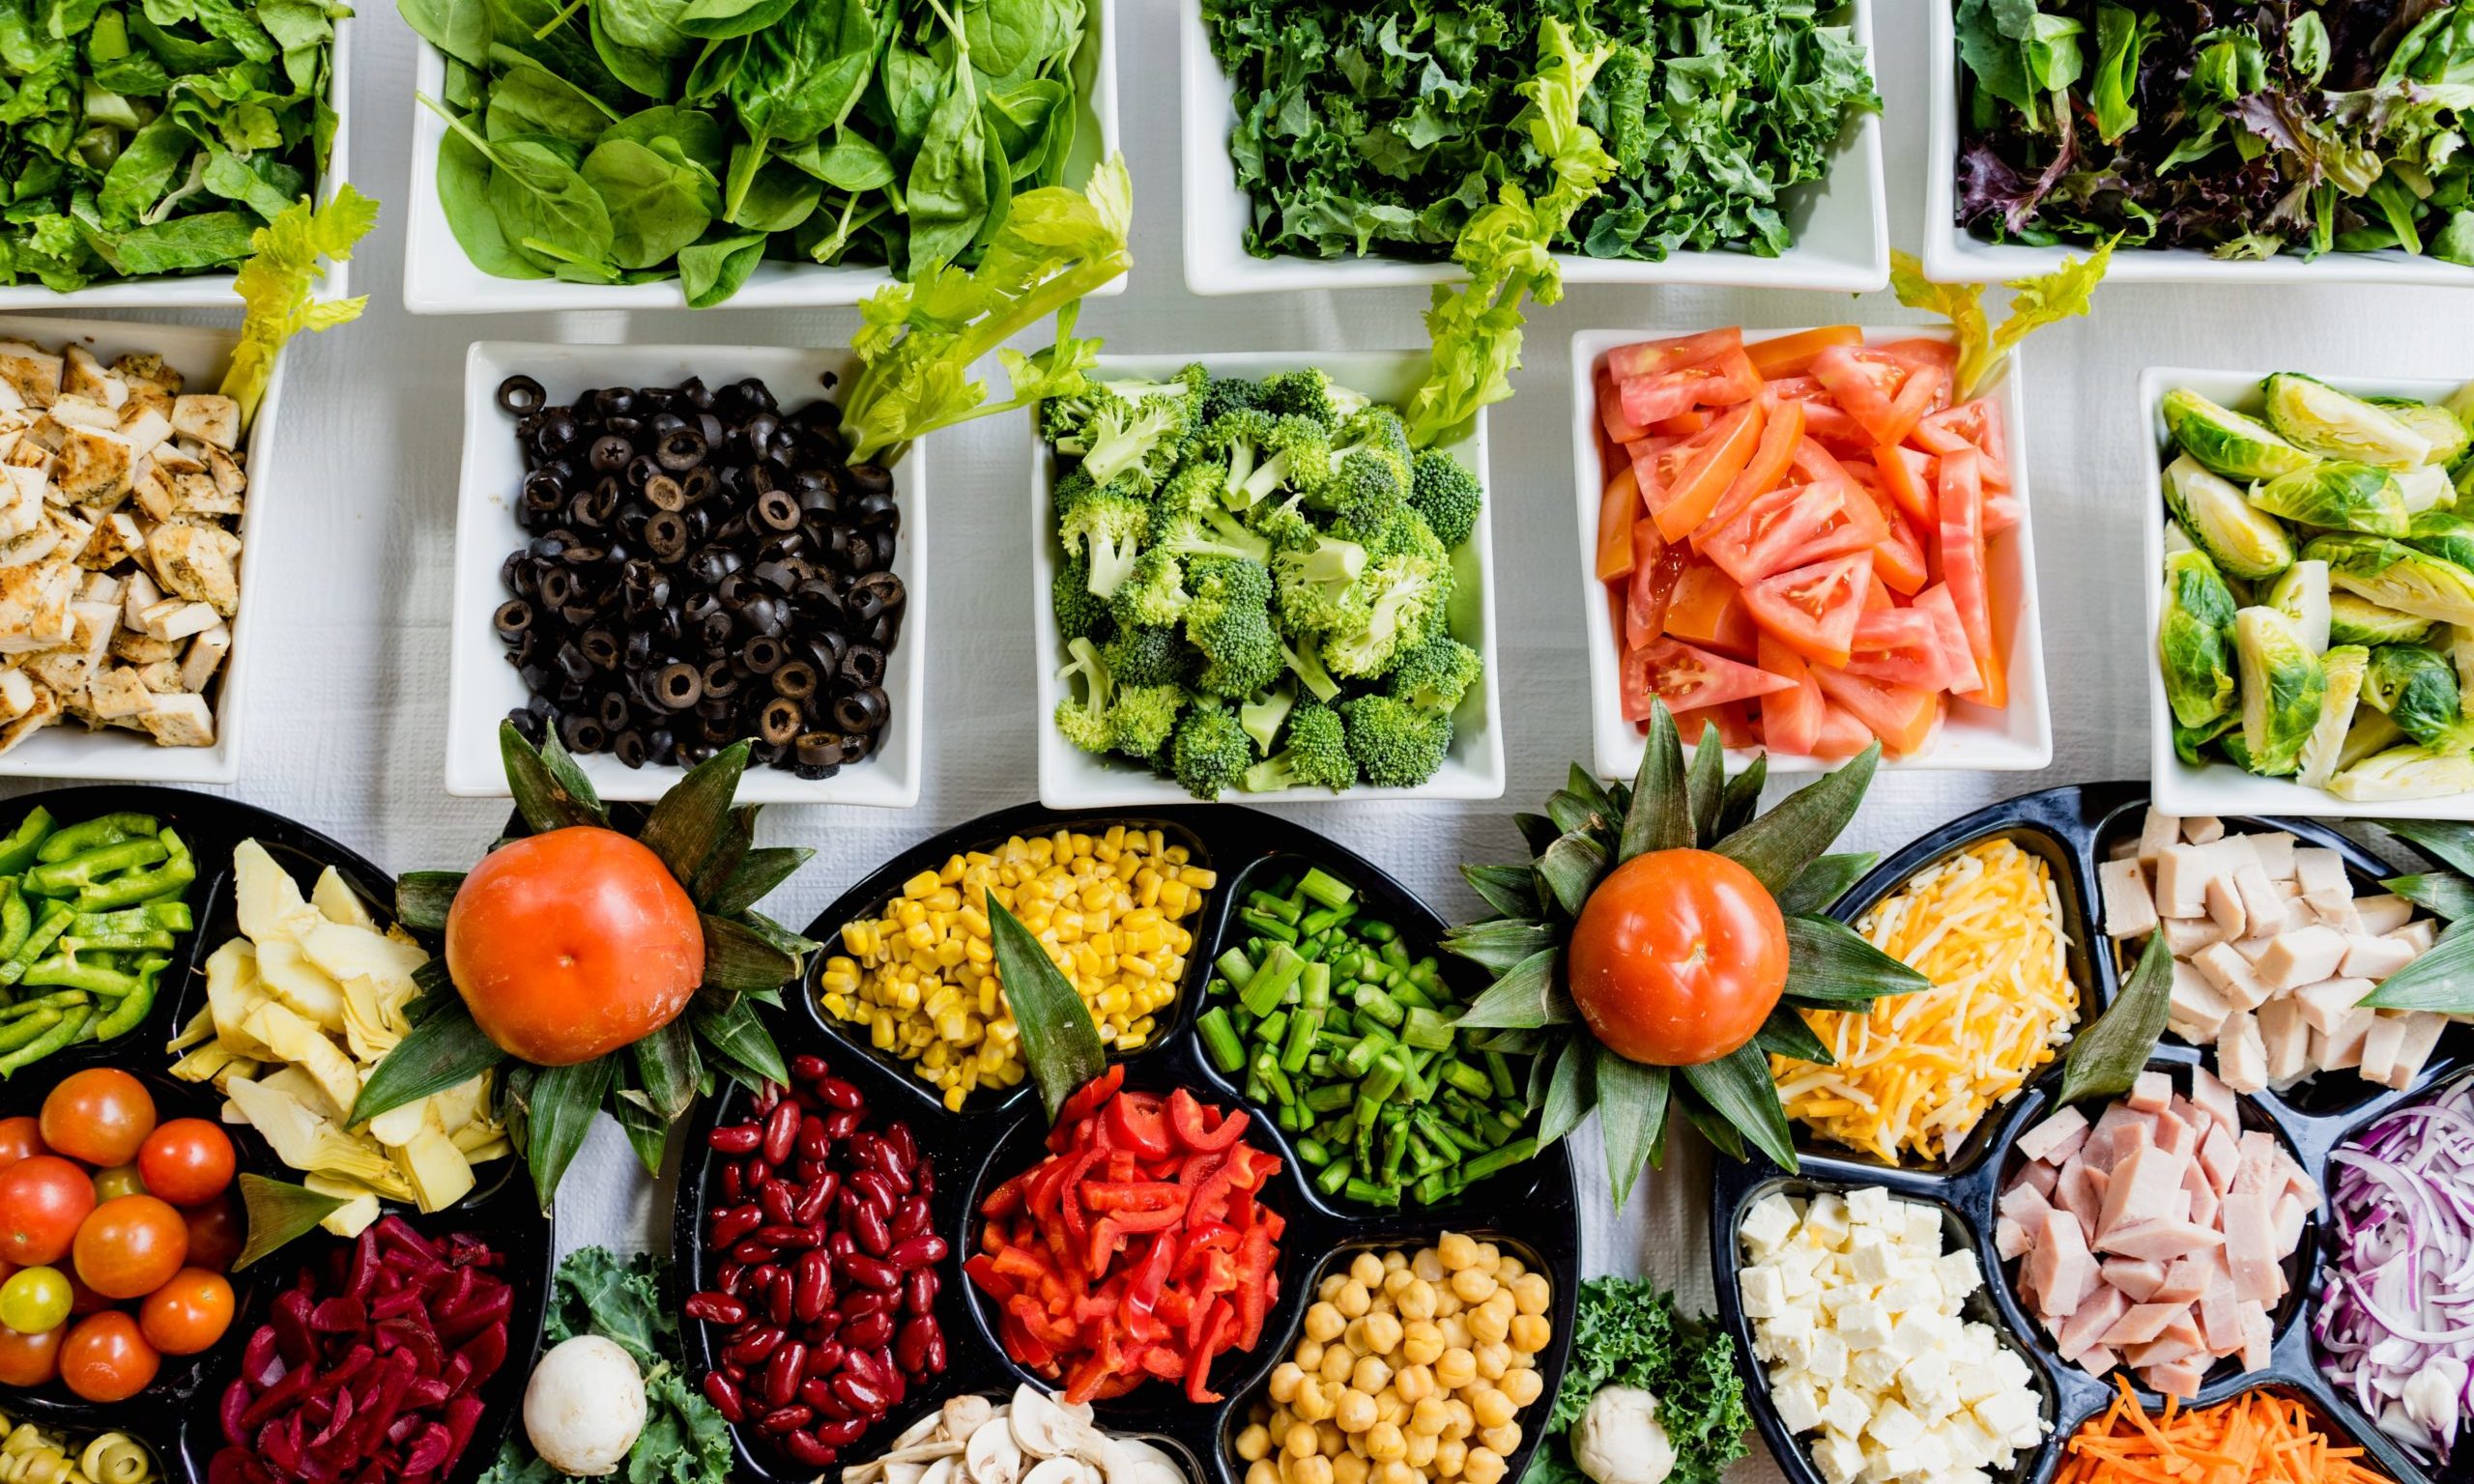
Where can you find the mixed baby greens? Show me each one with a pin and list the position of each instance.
(2334, 125)
(151, 139)
(627, 141)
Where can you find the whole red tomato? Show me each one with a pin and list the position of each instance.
(106, 1359)
(188, 1314)
(21, 1138)
(99, 1115)
(185, 1161)
(132, 1247)
(572, 944)
(41, 1202)
(218, 1233)
(30, 1359)
(1678, 957)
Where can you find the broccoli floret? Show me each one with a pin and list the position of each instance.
(1145, 655)
(1222, 394)
(1154, 593)
(1086, 722)
(1434, 675)
(1445, 495)
(1128, 429)
(1142, 717)
(1308, 393)
(1376, 430)
(1079, 614)
(1308, 666)
(1295, 453)
(1395, 745)
(1107, 526)
(1314, 753)
(1362, 491)
(1281, 524)
(1194, 489)
(1229, 620)
(1211, 752)
(1317, 585)
(1233, 443)
(1211, 532)
(1403, 594)
(1263, 713)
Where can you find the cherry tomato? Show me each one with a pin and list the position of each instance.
(29, 1359)
(34, 1300)
(188, 1314)
(41, 1202)
(21, 1138)
(218, 1233)
(185, 1161)
(1678, 957)
(119, 1181)
(105, 1358)
(572, 943)
(84, 1300)
(132, 1247)
(99, 1115)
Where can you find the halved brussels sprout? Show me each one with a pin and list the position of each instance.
(2319, 418)
(2371, 733)
(2403, 773)
(2243, 541)
(2226, 441)
(2187, 740)
(2338, 494)
(2284, 690)
(2394, 575)
(2426, 487)
(2444, 535)
(2353, 620)
(2176, 539)
(2195, 639)
(2417, 686)
(2301, 594)
(2344, 666)
(2447, 434)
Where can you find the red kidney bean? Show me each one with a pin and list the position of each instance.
(831, 1408)
(865, 1301)
(920, 1252)
(780, 1132)
(910, 1218)
(716, 1309)
(785, 1419)
(806, 1450)
(736, 1372)
(774, 1198)
(841, 1433)
(725, 1397)
(910, 1346)
(768, 1094)
(867, 1332)
(862, 1395)
(840, 1094)
(919, 1291)
(734, 1223)
(780, 1300)
(873, 1271)
(896, 1388)
(734, 1184)
(868, 1230)
(811, 1143)
(759, 1342)
(827, 1325)
(889, 1165)
(812, 1287)
(797, 1239)
(863, 1364)
(761, 1277)
(874, 1188)
(816, 1391)
(752, 1252)
(808, 1067)
(840, 1244)
(784, 1372)
(733, 1279)
(736, 1140)
(814, 1197)
(903, 1143)
(838, 1124)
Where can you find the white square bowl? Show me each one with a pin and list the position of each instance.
(2219, 787)
(440, 279)
(2018, 738)
(214, 291)
(482, 687)
(1953, 256)
(1842, 221)
(1070, 778)
(68, 750)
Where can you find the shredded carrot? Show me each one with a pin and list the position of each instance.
(2257, 1438)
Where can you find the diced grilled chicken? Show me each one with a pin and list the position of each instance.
(196, 562)
(34, 374)
(207, 417)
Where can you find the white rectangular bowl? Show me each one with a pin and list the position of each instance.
(1953, 256)
(440, 279)
(482, 687)
(1842, 221)
(2018, 738)
(214, 291)
(68, 750)
(2219, 787)
(1070, 778)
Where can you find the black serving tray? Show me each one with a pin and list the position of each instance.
(1530, 1210)
(2074, 830)
(177, 1415)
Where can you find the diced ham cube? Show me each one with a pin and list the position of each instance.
(2381, 1045)
(2221, 1315)
(2156, 832)
(2056, 1138)
(2119, 1131)
(2174, 1378)
(2142, 1189)
(2130, 912)
(2198, 1185)
(2419, 935)
(2301, 956)
(2099, 1361)
(2023, 1203)
(2074, 1333)
(2291, 1212)
(2136, 1279)
(2174, 1136)
(2081, 1193)
(2150, 1092)
(2010, 1239)
(2249, 1247)
(2044, 1177)
(2159, 1240)
(2262, 1165)
(2187, 1279)
(2060, 1265)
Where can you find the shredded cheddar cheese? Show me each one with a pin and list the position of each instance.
(1920, 1071)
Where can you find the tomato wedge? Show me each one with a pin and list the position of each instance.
(1708, 609)
(1901, 716)
(1884, 394)
(1841, 734)
(1683, 424)
(1655, 566)
(1814, 609)
(1906, 646)
(1721, 380)
(1687, 679)
(1782, 430)
(1616, 510)
(1655, 357)
(1906, 476)
(1976, 425)
(1610, 413)
(1923, 350)
(1682, 482)
(2001, 512)
(1962, 562)
(1790, 719)
(1898, 557)
(1796, 526)
(1791, 355)
(1734, 729)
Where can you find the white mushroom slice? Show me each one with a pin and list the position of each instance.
(1041, 1425)
(1150, 1464)
(963, 1415)
(1062, 1471)
(905, 1474)
(916, 1432)
(994, 1455)
(942, 1471)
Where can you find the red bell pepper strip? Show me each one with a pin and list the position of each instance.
(1215, 1334)
(1186, 1119)
(1134, 1195)
(1254, 1283)
(1137, 1128)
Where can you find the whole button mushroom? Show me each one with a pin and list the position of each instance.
(1619, 1440)
(585, 1407)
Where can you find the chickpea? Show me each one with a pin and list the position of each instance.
(1421, 1446)
(1533, 1293)
(1490, 1406)
(1523, 1386)
(1329, 1439)
(1508, 1268)
(1447, 1303)
(1283, 1386)
(1338, 1360)
(1488, 1257)
(1353, 1299)
(1531, 1332)
(1504, 1440)
(1474, 1285)
(1300, 1441)
(1388, 1408)
(1493, 1360)
(1456, 1369)
(1457, 1251)
(1367, 1270)
(1416, 1298)
(1463, 1421)
(1254, 1442)
(1451, 1455)
(1354, 1411)
(1313, 1401)
(1349, 1468)
(1413, 1382)
(1395, 1471)
(1421, 1343)
(1427, 1265)
(1395, 1261)
(1308, 1470)
(1371, 1374)
(1456, 1330)
(1324, 1322)
(1396, 1281)
(1262, 1471)
(1330, 1288)
(1384, 1443)
(1488, 1324)
(1484, 1465)
(1430, 1417)
(1382, 1333)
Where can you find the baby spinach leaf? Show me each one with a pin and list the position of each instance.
(711, 272)
(698, 134)
(655, 206)
(779, 197)
(459, 28)
(948, 189)
(638, 69)
(530, 100)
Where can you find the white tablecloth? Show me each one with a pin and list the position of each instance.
(348, 689)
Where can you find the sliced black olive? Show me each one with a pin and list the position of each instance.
(681, 448)
(666, 534)
(776, 510)
(761, 655)
(665, 493)
(628, 747)
(818, 749)
(719, 681)
(514, 616)
(527, 723)
(614, 401)
(521, 395)
(864, 666)
(780, 721)
(613, 712)
(601, 647)
(611, 453)
(580, 733)
(862, 710)
(796, 679)
(680, 686)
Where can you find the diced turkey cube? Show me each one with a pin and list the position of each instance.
(2325, 885)
(2302, 955)
(2343, 1039)
(2225, 906)
(209, 418)
(2241, 1057)
(2276, 852)
(2187, 935)
(2223, 966)
(2381, 1045)
(2383, 913)
(2422, 1036)
(2261, 903)
(2288, 1039)
(2156, 832)
(2182, 876)
(2129, 911)
(2376, 958)
(2203, 829)
(180, 720)
(2419, 935)
(2324, 1003)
